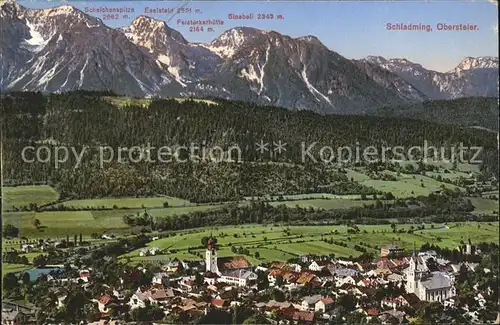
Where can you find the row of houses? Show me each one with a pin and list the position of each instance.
(222, 283)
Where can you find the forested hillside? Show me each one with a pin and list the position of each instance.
(91, 119)
(475, 112)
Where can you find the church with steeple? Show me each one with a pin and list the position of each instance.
(211, 256)
(239, 273)
(428, 285)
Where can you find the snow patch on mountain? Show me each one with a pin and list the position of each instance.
(36, 42)
(250, 74)
(222, 51)
(256, 72)
(164, 59)
(82, 75)
(91, 26)
(47, 76)
(469, 63)
(229, 42)
(143, 86)
(175, 71)
(311, 88)
(261, 79)
(471, 77)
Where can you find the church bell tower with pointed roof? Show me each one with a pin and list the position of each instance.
(211, 256)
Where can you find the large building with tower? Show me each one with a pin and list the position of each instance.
(241, 276)
(211, 257)
(428, 285)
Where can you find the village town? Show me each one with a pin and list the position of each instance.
(398, 286)
(249, 162)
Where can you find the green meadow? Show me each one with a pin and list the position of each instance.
(95, 219)
(484, 206)
(129, 202)
(404, 186)
(14, 268)
(61, 223)
(325, 204)
(273, 243)
(19, 196)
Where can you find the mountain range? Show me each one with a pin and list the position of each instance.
(62, 49)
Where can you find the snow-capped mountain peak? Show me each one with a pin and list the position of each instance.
(311, 39)
(237, 36)
(376, 59)
(184, 61)
(65, 9)
(471, 77)
(401, 61)
(62, 49)
(482, 62)
(150, 28)
(11, 7)
(66, 12)
(146, 22)
(229, 42)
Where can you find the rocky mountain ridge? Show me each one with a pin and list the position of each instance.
(62, 49)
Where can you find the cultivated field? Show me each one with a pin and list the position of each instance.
(273, 243)
(122, 101)
(96, 220)
(325, 204)
(61, 223)
(405, 185)
(19, 196)
(14, 268)
(93, 220)
(325, 196)
(491, 194)
(484, 206)
(464, 168)
(128, 202)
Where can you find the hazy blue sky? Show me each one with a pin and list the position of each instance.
(354, 29)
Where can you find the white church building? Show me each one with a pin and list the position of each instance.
(239, 277)
(211, 257)
(427, 285)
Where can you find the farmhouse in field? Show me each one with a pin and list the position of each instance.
(27, 248)
(149, 251)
